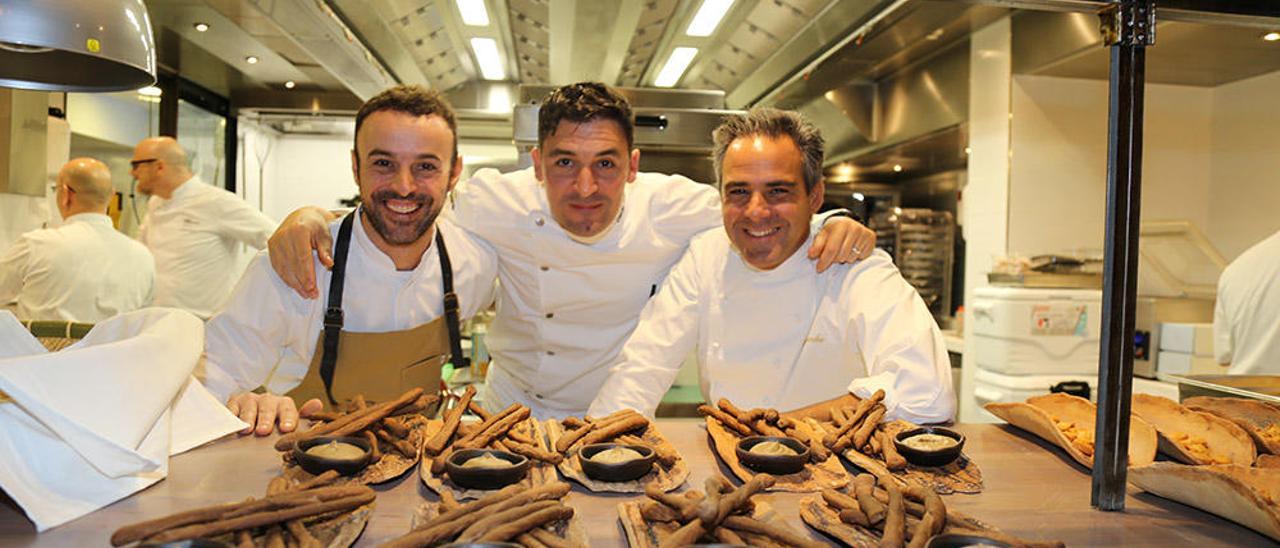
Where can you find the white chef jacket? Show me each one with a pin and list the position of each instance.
(1246, 319)
(266, 335)
(785, 338)
(82, 271)
(199, 237)
(564, 308)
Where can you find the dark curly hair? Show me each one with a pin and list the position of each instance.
(414, 100)
(584, 102)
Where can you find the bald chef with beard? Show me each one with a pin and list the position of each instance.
(767, 329)
(385, 323)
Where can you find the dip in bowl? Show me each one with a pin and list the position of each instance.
(616, 462)
(485, 468)
(345, 455)
(929, 445)
(772, 455)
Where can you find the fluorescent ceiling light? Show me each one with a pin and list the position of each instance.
(486, 50)
(675, 67)
(707, 18)
(473, 13)
(1271, 36)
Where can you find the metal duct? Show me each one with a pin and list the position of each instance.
(69, 45)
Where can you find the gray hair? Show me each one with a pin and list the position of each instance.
(774, 123)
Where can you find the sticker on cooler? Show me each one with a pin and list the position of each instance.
(1059, 319)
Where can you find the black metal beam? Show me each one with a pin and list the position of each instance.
(1127, 27)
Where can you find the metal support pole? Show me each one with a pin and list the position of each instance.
(1128, 27)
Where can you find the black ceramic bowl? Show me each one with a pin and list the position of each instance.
(486, 478)
(936, 457)
(952, 540)
(622, 471)
(778, 465)
(315, 465)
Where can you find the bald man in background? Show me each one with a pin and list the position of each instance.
(199, 234)
(84, 270)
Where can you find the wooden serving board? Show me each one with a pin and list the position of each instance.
(392, 464)
(571, 530)
(960, 476)
(828, 474)
(540, 473)
(666, 479)
(649, 534)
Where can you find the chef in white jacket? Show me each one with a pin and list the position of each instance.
(1246, 319)
(768, 331)
(84, 270)
(199, 234)
(583, 240)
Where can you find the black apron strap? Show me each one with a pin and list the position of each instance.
(333, 308)
(458, 359)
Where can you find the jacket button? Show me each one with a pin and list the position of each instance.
(544, 268)
(550, 315)
(551, 352)
(539, 221)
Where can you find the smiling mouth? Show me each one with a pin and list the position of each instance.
(762, 233)
(403, 207)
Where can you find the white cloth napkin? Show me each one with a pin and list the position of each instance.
(97, 421)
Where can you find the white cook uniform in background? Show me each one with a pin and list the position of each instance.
(564, 307)
(785, 338)
(266, 334)
(1246, 319)
(200, 238)
(82, 271)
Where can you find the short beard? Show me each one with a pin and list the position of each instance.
(399, 234)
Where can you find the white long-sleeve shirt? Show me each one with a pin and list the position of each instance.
(266, 335)
(1246, 319)
(785, 338)
(565, 307)
(82, 271)
(200, 238)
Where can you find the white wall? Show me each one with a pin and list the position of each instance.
(307, 170)
(1244, 197)
(1057, 199)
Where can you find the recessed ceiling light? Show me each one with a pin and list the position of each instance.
(201, 27)
(252, 60)
(1271, 36)
(151, 91)
(708, 17)
(473, 13)
(675, 67)
(486, 50)
(897, 168)
(289, 84)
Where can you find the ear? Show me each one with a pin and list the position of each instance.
(634, 166)
(355, 167)
(536, 153)
(454, 173)
(816, 196)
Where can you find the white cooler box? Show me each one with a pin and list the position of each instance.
(991, 387)
(1026, 331)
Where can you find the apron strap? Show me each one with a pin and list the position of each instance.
(333, 308)
(450, 306)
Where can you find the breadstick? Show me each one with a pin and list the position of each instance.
(401, 446)
(483, 526)
(863, 407)
(893, 460)
(349, 423)
(536, 453)
(448, 501)
(517, 434)
(895, 520)
(451, 421)
(727, 536)
(320, 480)
(495, 427)
(935, 516)
(536, 519)
(709, 510)
(274, 538)
(817, 451)
(765, 429)
(244, 539)
(684, 536)
(687, 508)
(300, 533)
(571, 437)
(375, 452)
(478, 411)
(653, 510)
(395, 427)
(449, 524)
(547, 538)
(868, 426)
(215, 528)
(731, 502)
(729, 421)
(573, 422)
(781, 534)
(614, 429)
(863, 491)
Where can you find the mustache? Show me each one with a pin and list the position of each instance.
(387, 194)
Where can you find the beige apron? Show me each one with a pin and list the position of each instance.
(380, 366)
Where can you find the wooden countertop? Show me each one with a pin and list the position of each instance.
(1032, 490)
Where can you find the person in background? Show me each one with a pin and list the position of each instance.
(583, 240)
(394, 325)
(768, 331)
(83, 271)
(198, 233)
(1246, 318)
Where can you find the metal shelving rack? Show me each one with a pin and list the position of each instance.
(922, 244)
